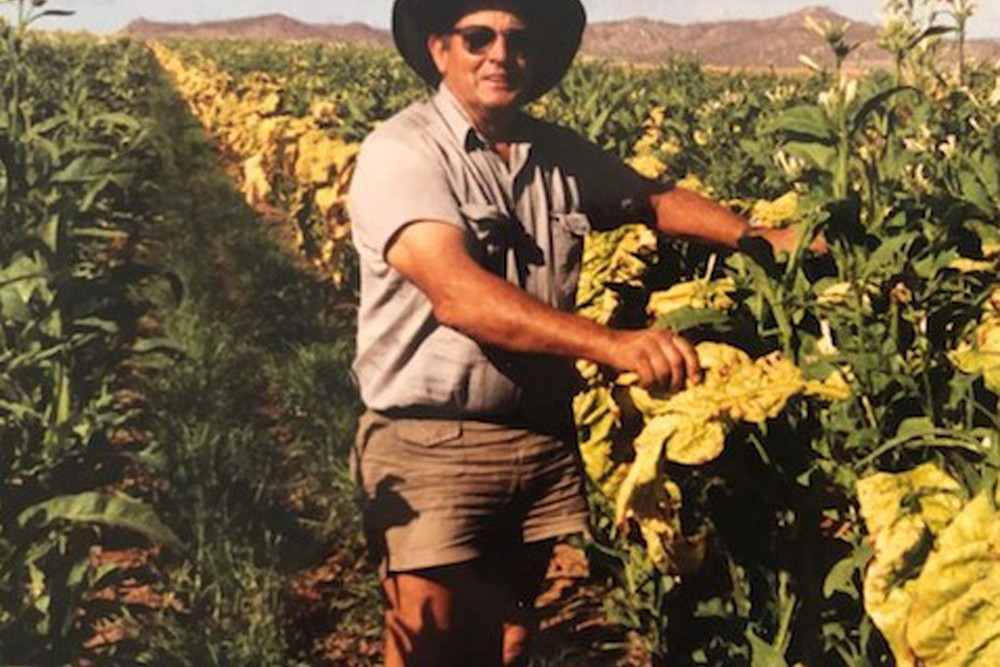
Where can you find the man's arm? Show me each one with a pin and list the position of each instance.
(466, 297)
(686, 214)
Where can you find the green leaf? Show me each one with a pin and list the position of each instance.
(158, 346)
(807, 124)
(117, 119)
(83, 169)
(118, 510)
(840, 578)
(685, 319)
(820, 155)
(974, 192)
(914, 427)
(762, 653)
(762, 254)
(874, 103)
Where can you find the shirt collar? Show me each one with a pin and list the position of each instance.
(457, 120)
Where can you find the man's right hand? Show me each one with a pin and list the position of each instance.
(659, 357)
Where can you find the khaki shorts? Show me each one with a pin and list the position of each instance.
(439, 492)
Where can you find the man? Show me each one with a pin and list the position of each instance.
(469, 219)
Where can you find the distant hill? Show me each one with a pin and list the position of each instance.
(268, 27)
(775, 42)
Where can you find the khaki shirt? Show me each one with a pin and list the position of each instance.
(526, 221)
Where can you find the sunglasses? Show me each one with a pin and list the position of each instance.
(479, 38)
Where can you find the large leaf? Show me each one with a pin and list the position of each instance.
(806, 123)
(820, 155)
(117, 510)
(875, 103)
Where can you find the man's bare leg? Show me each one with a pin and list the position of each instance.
(521, 622)
(466, 614)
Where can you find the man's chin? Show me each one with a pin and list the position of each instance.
(502, 99)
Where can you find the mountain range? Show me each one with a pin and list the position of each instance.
(759, 43)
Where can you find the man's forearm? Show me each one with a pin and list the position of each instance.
(686, 214)
(491, 310)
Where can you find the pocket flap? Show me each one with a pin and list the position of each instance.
(474, 211)
(428, 432)
(489, 223)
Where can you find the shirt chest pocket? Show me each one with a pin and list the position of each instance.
(569, 230)
(500, 243)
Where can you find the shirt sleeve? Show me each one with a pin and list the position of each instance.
(397, 182)
(611, 193)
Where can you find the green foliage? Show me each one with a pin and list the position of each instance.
(76, 160)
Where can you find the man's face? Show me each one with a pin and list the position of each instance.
(485, 60)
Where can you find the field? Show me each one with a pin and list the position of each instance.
(177, 299)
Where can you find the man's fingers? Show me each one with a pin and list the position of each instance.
(676, 365)
(660, 359)
(646, 369)
(691, 361)
(672, 359)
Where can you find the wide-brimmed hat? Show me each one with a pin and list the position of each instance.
(559, 25)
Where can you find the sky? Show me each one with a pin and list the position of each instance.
(110, 15)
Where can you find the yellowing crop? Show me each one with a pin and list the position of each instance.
(932, 586)
(269, 146)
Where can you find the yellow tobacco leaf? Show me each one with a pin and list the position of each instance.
(903, 513)
(721, 357)
(834, 387)
(602, 308)
(327, 198)
(983, 357)
(597, 417)
(834, 295)
(671, 147)
(778, 213)
(695, 184)
(320, 156)
(648, 453)
(324, 111)
(954, 619)
(655, 508)
(760, 391)
(256, 185)
(697, 293)
(647, 143)
(650, 404)
(696, 440)
(648, 165)
(657, 115)
(967, 265)
(588, 370)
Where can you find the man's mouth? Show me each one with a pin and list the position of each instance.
(500, 81)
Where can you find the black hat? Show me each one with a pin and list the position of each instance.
(559, 24)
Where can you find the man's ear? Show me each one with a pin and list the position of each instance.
(437, 46)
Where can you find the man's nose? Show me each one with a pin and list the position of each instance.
(499, 50)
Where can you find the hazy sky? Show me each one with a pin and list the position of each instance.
(109, 15)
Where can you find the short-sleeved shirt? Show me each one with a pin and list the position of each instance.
(525, 219)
